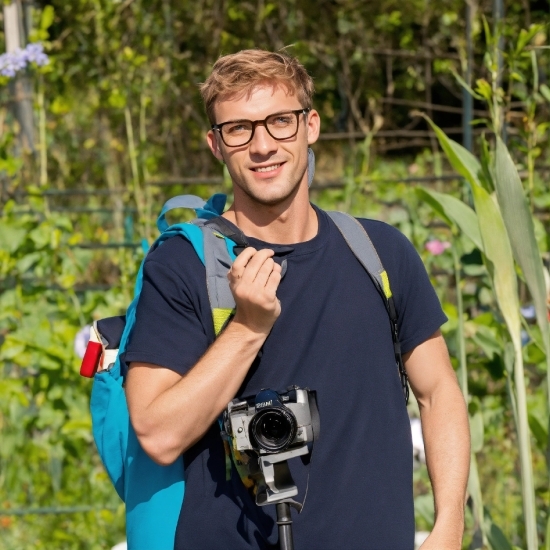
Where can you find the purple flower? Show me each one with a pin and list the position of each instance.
(34, 53)
(13, 62)
(436, 247)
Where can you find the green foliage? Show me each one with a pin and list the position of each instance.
(47, 457)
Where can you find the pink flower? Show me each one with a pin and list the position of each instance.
(436, 247)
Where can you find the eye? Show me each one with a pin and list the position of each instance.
(237, 128)
(282, 120)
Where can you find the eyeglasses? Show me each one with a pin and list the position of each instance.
(284, 125)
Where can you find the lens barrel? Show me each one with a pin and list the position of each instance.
(273, 428)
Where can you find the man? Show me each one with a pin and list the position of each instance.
(322, 326)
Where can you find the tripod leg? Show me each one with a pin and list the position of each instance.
(284, 521)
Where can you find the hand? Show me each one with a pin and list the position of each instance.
(253, 279)
(439, 539)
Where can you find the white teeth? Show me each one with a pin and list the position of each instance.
(268, 168)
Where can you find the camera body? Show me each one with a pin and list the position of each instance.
(267, 430)
(271, 421)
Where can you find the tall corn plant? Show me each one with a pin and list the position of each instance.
(507, 233)
(462, 219)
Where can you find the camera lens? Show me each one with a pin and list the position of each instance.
(273, 429)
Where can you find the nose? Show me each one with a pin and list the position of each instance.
(262, 143)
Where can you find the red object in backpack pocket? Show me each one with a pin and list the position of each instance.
(91, 358)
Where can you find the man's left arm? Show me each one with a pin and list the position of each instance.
(446, 435)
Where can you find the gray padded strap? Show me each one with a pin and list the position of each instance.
(217, 262)
(181, 201)
(360, 244)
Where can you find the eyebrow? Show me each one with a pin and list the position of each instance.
(249, 120)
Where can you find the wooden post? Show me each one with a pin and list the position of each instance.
(498, 24)
(467, 99)
(20, 86)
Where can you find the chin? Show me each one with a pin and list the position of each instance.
(272, 199)
(276, 195)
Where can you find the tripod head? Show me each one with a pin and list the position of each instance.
(279, 485)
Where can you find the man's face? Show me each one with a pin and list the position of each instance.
(265, 171)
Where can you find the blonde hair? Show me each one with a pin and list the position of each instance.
(237, 74)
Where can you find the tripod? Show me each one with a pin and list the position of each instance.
(284, 521)
(279, 489)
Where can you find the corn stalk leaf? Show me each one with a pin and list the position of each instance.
(454, 212)
(460, 158)
(498, 252)
(521, 231)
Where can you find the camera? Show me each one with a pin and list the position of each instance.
(270, 422)
(267, 430)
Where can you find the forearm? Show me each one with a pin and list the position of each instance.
(180, 415)
(447, 443)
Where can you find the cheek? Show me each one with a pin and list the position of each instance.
(235, 162)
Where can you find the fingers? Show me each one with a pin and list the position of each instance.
(249, 264)
(265, 271)
(272, 283)
(253, 279)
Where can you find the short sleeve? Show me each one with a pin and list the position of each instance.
(418, 307)
(173, 325)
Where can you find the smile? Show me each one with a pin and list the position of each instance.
(267, 168)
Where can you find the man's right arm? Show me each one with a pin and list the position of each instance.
(170, 412)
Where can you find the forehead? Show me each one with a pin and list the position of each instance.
(257, 103)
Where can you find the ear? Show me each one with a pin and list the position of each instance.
(213, 141)
(313, 126)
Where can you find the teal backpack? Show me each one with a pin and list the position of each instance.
(153, 494)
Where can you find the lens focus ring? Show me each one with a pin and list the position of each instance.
(273, 429)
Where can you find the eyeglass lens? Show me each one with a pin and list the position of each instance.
(279, 126)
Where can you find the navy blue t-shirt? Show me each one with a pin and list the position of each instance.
(333, 336)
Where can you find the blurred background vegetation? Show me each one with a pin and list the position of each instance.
(94, 141)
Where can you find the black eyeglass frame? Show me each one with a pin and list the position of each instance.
(263, 123)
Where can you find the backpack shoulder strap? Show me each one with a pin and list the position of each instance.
(362, 247)
(214, 241)
(211, 208)
(218, 258)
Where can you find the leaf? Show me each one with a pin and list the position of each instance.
(476, 431)
(453, 211)
(28, 261)
(460, 158)
(484, 89)
(539, 432)
(467, 87)
(497, 539)
(545, 91)
(77, 425)
(521, 231)
(48, 15)
(40, 236)
(486, 339)
(11, 238)
(486, 165)
(499, 252)
(525, 36)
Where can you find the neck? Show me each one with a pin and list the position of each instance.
(289, 222)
